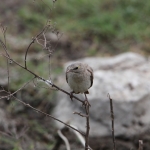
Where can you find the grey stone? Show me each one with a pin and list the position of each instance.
(126, 78)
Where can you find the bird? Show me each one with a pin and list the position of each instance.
(79, 77)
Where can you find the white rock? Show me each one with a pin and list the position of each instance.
(126, 78)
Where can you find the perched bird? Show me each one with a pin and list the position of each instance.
(79, 76)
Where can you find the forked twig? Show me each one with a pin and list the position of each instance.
(36, 38)
(28, 105)
(53, 85)
(48, 115)
(33, 40)
(37, 76)
(11, 94)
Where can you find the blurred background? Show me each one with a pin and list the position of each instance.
(97, 28)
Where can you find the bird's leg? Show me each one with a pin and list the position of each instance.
(86, 102)
(71, 95)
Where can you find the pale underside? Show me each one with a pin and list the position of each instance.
(79, 83)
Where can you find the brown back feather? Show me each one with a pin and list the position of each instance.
(91, 72)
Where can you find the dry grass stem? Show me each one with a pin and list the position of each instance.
(112, 123)
(64, 139)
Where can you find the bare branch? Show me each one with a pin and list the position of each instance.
(11, 94)
(48, 115)
(53, 85)
(80, 137)
(80, 114)
(33, 40)
(112, 118)
(46, 46)
(4, 29)
(87, 105)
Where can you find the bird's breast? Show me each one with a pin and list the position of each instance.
(77, 78)
(79, 83)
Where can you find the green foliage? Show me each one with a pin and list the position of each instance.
(92, 52)
(105, 19)
(35, 15)
(38, 128)
(29, 19)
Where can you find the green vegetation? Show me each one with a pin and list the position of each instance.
(105, 19)
(107, 26)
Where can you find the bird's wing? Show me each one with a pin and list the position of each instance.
(89, 69)
(66, 78)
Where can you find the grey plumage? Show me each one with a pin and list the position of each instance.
(79, 76)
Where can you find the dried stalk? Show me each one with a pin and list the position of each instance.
(9, 59)
(48, 115)
(33, 40)
(37, 76)
(87, 128)
(4, 29)
(87, 106)
(112, 119)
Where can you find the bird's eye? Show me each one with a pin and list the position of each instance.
(75, 68)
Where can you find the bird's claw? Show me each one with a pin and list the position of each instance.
(86, 103)
(71, 96)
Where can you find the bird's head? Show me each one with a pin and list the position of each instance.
(75, 68)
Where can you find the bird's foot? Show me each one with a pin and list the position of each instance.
(86, 103)
(71, 95)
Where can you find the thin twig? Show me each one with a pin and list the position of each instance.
(80, 114)
(80, 137)
(87, 124)
(49, 67)
(37, 40)
(48, 115)
(64, 139)
(28, 105)
(4, 29)
(53, 85)
(112, 119)
(3, 45)
(11, 94)
(50, 83)
(33, 40)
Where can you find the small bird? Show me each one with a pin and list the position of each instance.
(79, 76)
